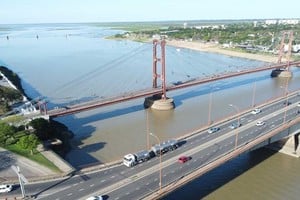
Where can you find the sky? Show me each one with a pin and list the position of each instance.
(63, 11)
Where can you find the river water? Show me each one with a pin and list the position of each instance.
(70, 63)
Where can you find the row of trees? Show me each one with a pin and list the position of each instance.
(239, 33)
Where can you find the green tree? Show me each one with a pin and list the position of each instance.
(29, 142)
(6, 131)
(42, 128)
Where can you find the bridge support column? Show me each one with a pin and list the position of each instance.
(281, 73)
(157, 103)
(289, 146)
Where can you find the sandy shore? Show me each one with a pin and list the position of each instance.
(215, 48)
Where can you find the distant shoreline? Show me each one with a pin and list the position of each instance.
(215, 48)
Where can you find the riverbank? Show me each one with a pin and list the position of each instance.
(35, 169)
(216, 48)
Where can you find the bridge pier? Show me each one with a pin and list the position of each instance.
(289, 146)
(157, 103)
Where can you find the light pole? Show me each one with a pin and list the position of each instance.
(253, 96)
(287, 100)
(210, 104)
(238, 123)
(147, 128)
(158, 140)
(22, 179)
(209, 108)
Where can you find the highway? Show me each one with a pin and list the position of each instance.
(121, 182)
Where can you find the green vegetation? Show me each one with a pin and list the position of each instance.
(24, 141)
(13, 77)
(8, 95)
(36, 156)
(244, 35)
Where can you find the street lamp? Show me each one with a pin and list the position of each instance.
(210, 103)
(22, 179)
(253, 95)
(287, 100)
(158, 140)
(147, 128)
(238, 123)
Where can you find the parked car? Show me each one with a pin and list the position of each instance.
(260, 123)
(213, 129)
(5, 188)
(255, 111)
(298, 104)
(183, 159)
(234, 125)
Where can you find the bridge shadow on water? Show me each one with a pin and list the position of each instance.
(206, 184)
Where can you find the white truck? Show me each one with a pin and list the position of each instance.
(133, 159)
(130, 160)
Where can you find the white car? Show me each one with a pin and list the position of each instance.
(298, 104)
(95, 198)
(260, 123)
(5, 188)
(255, 111)
(234, 125)
(213, 129)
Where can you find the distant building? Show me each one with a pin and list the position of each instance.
(210, 26)
(288, 21)
(184, 25)
(270, 21)
(255, 23)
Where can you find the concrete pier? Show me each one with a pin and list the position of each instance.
(155, 102)
(289, 146)
(281, 73)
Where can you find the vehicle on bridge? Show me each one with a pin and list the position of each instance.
(95, 198)
(183, 159)
(260, 123)
(130, 160)
(164, 147)
(234, 125)
(255, 111)
(133, 159)
(5, 188)
(213, 129)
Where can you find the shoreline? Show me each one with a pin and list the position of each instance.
(216, 48)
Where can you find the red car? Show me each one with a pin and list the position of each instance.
(183, 159)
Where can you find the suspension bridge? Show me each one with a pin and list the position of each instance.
(158, 92)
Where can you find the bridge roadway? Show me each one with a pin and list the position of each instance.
(146, 93)
(207, 151)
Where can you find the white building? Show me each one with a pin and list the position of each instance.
(288, 21)
(270, 21)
